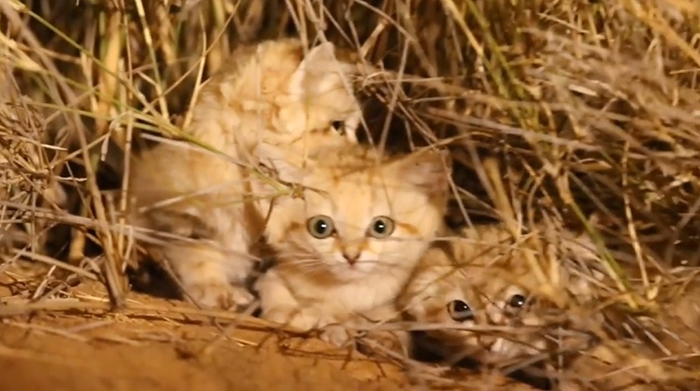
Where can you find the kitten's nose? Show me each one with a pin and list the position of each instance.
(351, 256)
(487, 341)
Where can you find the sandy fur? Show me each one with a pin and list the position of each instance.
(488, 267)
(312, 285)
(267, 94)
(485, 267)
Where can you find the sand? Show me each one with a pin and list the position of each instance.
(158, 344)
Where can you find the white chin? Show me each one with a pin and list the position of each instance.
(352, 272)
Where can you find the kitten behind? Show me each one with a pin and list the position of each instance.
(345, 248)
(275, 93)
(485, 281)
(268, 94)
(479, 278)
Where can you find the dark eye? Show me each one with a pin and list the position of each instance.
(517, 301)
(459, 311)
(381, 227)
(320, 227)
(339, 126)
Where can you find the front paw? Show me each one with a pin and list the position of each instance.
(311, 319)
(335, 334)
(220, 295)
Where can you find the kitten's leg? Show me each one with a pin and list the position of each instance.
(209, 276)
(279, 305)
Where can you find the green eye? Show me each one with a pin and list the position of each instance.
(320, 227)
(381, 227)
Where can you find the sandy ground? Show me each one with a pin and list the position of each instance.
(158, 344)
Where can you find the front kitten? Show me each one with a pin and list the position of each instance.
(345, 249)
(269, 94)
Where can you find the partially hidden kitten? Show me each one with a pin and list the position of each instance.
(272, 94)
(346, 247)
(479, 277)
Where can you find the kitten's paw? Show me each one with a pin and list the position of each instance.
(311, 319)
(335, 334)
(305, 319)
(220, 295)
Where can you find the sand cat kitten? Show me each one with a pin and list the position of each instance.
(474, 294)
(480, 278)
(268, 94)
(345, 250)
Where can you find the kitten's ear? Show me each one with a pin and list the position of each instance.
(319, 54)
(317, 62)
(428, 170)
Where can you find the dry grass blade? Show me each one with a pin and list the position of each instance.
(579, 115)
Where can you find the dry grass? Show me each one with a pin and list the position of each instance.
(579, 107)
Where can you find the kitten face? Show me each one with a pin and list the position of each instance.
(357, 218)
(485, 281)
(488, 300)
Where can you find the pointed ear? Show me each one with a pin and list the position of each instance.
(321, 53)
(317, 61)
(429, 171)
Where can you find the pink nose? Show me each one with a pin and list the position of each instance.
(351, 258)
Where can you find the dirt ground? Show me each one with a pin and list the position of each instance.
(158, 344)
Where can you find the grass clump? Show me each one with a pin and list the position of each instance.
(585, 108)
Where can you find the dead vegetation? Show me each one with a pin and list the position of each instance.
(581, 108)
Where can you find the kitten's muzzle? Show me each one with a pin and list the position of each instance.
(351, 256)
(487, 342)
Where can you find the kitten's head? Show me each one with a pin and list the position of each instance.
(319, 98)
(358, 216)
(494, 288)
(483, 298)
(292, 95)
